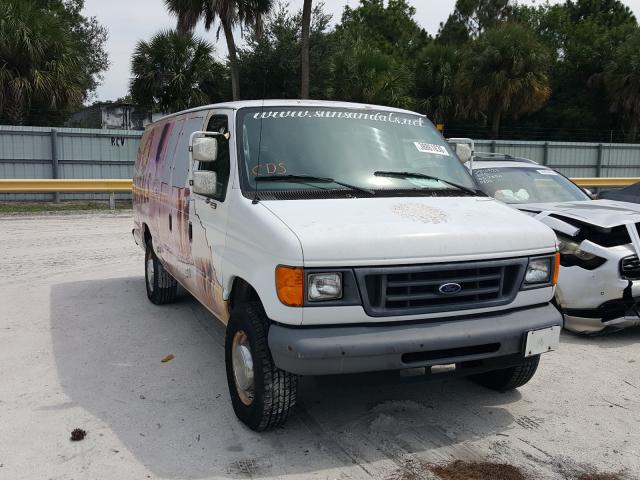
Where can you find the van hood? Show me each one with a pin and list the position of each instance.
(373, 231)
(598, 213)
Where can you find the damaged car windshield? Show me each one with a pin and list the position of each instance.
(346, 145)
(527, 185)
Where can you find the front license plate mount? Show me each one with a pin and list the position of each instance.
(542, 341)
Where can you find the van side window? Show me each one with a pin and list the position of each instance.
(167, 159)
(181, 157)
(222, 166)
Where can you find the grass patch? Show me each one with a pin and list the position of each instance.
(52, 207)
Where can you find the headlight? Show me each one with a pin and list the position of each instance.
(539, 270)
(324, 286)
(570, 247)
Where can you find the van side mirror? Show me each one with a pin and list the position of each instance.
(204, 149)
(205, 183)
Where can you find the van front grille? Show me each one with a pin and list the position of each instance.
(417, 289)
(630, 268)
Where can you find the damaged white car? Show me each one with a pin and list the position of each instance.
(599, 284)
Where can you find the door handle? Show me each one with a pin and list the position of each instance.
(170, 223)
(190, 232)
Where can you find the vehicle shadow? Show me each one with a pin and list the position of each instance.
(176, 417)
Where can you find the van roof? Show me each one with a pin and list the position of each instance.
(288, 103)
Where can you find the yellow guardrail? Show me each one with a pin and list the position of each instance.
(116, 185)
(610, 182)
(67, 185)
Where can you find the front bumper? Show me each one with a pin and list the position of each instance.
(611, 315)
(355, 349)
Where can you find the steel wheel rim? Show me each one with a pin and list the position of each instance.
(150, 273)
(242, 363)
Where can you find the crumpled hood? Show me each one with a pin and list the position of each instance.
(369, 231)
(600, 213)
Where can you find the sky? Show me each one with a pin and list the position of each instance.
(129, 21)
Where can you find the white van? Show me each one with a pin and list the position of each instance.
(337, 238)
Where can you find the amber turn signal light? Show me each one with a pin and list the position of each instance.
(556, 268)
(290, 285)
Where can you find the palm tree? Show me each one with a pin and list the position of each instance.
(505, 73)
(229, 13)
(306, 29)
(622, 82)
(171, 71)
(40, 62)
(436, 73)
(363, 73)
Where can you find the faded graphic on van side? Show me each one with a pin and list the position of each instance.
(166, 208)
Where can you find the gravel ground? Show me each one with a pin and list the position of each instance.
(81, 347)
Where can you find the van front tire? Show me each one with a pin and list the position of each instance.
(162, 288)
(509, 378)
(262, 395)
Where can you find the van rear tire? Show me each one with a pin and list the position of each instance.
(262, 395)
(162, 288)
(509, 378)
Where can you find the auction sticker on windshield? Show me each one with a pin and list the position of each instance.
(431, 148)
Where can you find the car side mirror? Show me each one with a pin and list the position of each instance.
(464, 148)
(591, 195)
(464, 152)
(204, 149)
(205, 183)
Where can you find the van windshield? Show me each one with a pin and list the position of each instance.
(347, 145)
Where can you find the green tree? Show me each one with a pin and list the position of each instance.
(391, 28)
(436, 73)
(610, 13)
(173, 72)
(304, 60)
(505, 74)
(472, 17)
(230, 13)
(90, 37)
(622, 82)
(582, 37)
(376, 45)
(364, 73)
(46, 66)
(270, 63)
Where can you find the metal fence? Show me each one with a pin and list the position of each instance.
(38, 152)
(573, 159)
(67, 153)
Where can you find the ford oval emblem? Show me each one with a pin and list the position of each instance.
(450, 288)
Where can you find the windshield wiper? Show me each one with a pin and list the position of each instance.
(310, 178)
(472, 191)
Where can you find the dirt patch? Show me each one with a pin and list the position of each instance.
(601, 476)
(78, 434)
(460, 470)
